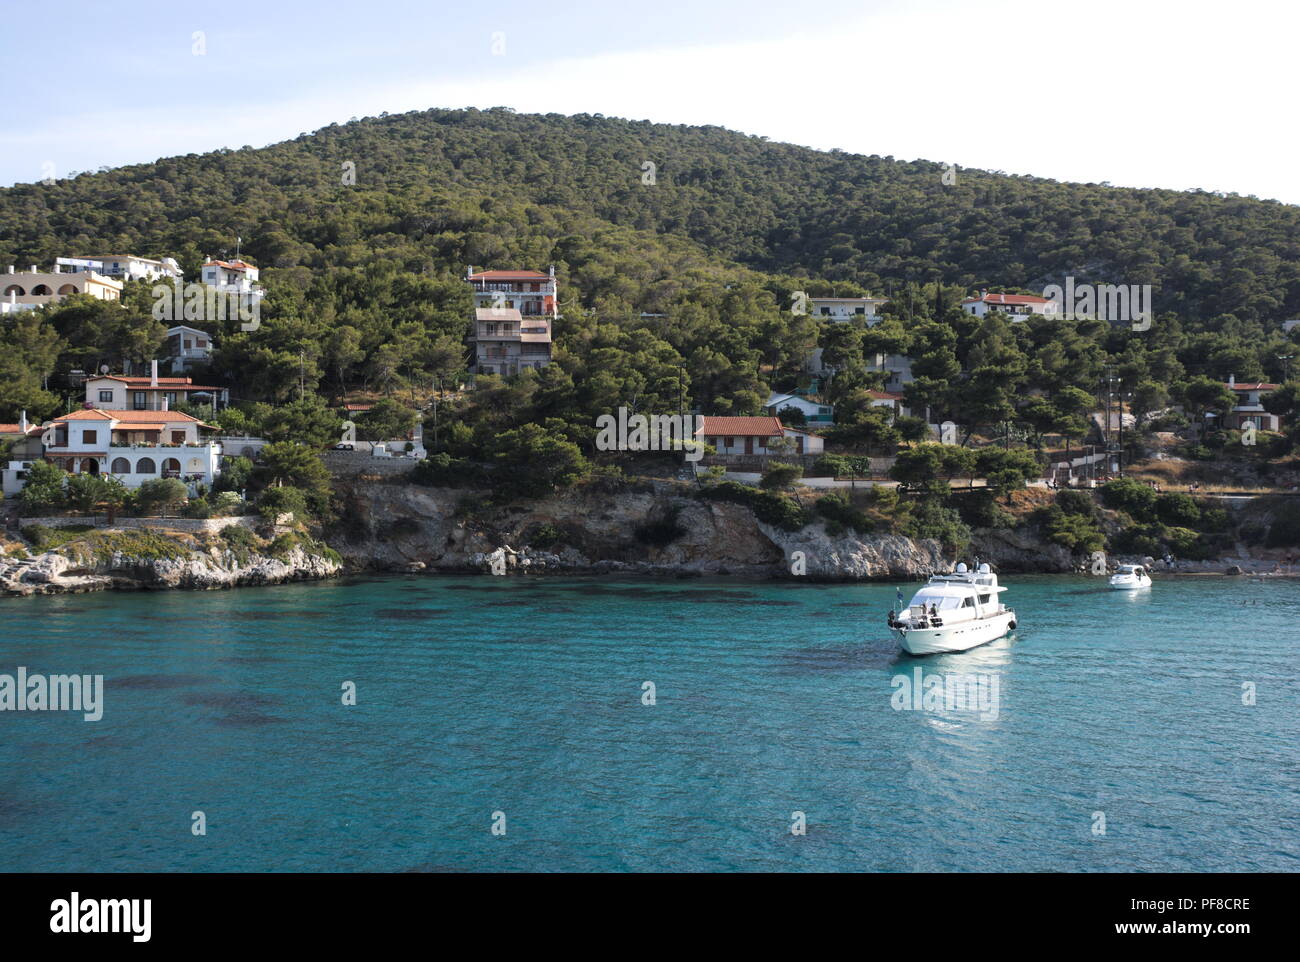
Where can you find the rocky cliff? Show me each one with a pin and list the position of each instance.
(655, 528)
(66, 570)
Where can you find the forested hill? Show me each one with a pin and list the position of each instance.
(439, 189)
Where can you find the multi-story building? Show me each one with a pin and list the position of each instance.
(132, 446)
(28, 290)
(847, 308)
(232, 277)
(125, 267)
(121, 392)
(1250, 407)
(506, 343)
(531, 293)
(1015, 304)
(513, 311)
(185, 345)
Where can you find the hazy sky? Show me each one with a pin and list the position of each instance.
(1181, 95)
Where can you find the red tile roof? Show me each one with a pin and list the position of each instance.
(10, 429)
(1007, 299)
(1251, 386)
(164, 383)
(884, 395)
(98, 414)
(761, 427)
(230, 265)
(510, 276)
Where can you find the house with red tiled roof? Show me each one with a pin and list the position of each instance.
(757, 437)
(1249, 408)
(123, 392)
(1016, 304)
(133, 446)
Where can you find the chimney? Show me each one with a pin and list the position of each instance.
(153, 373)
(164, 403)
(1232, 380)
(11, 268)
(35, 269)
(469, 271)
(22, 423)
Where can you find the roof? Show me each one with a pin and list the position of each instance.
(147, 417)
(509, 276)
(1251, 386)
(358, 406)
(164, 383)
(1007, 299)
(884, 395)
(497, 314)
(229, 265)
(763, 427)
(849, 300)
(10, 429)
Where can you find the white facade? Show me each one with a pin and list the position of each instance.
(186, 345)
(814, 413)
(1014, 304)
(126, 267)
(847, 308)
(232, 277)
(132, 446)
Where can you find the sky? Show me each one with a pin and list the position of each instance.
(1182, 95)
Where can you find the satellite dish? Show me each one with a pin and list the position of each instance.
(961, 568)
(103, 369)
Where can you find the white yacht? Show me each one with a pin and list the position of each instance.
(954, 612)
(1130, 577)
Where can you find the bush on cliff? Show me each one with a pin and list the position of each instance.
(1132, 497)
(780, 476)
(778, 510)
(443, 471)
(840, 514)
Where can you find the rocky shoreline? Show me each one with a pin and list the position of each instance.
(52, 572)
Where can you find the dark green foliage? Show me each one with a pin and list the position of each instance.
(780, 476)
(776, 509)
(1178, 509)
(840, 514)
(1132, 497)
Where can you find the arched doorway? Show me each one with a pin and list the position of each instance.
(146, 466)
(15, 289)
(68, 289)
(121, 466)
(171, 468)
(41, 290)
(88, 466)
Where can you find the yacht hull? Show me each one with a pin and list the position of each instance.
(959, 637)
(1129, 585)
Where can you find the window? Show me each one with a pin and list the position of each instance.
(89, 437)
(826, 311)
(726, 442)
(178, 437)
(968, 602)
(106, 395)
(146, 466)
(140, 400)
(121, 466)
(859, 310)
(984, 599)
(171, 399)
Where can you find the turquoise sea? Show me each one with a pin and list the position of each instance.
(479, 695)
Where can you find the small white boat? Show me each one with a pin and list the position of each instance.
(953, 612)
(1130, 577)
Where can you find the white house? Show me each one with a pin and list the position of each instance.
(121, 392)
(1015, 304)
(125, 267)
(185, 345)
(888, 399)
(814, 413)
(757, 436)
(132, 446)
(1289, 326)
(1250, 406)
(232, 277)
(897, 366)
(847, 308)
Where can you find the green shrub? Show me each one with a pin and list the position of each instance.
(780, 476)
(772, 507)
(1178, 509)
(1132, 497)
(545, 536)
(443, 471)
(841, 514)
(1076, 502)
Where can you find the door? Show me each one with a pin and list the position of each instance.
(749, 445)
